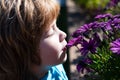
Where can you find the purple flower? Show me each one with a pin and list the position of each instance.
(116, 22)
(116, 16)
(113, 3)
(84, 28)
(93, 25)
(115, 46)
(94, 38)
(102, 24)
(74, 41)
(76, 33)
(89, 46)
(108, 15)
(83, 64)
(106, 25)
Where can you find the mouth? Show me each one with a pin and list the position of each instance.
(63, 54)
(64, 49)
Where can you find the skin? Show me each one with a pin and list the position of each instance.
(51, 49)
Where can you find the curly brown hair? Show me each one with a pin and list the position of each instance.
(22, 23)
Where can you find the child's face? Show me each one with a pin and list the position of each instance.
(52, 46)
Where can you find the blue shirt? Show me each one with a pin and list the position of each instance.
(56, 73)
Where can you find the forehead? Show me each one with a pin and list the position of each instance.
(46, 11)
(51, 12)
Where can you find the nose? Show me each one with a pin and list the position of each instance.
(63, 35)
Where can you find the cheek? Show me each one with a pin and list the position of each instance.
(50, 47)
(49, 52)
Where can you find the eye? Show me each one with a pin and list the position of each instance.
(50, 32)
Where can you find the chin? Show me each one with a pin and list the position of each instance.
(63, 58)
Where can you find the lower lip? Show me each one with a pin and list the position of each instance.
(64, 49)
(63, 52)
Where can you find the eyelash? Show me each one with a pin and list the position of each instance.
(50, 33)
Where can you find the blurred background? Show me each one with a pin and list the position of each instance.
(73, 14)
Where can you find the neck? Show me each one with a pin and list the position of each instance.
(39, 71)
(41, 74)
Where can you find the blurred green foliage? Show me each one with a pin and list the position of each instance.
(92, 4)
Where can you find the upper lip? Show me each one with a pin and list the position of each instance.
(65, 46)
